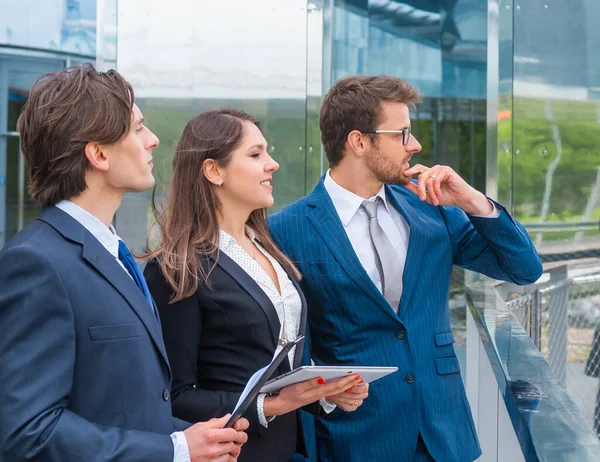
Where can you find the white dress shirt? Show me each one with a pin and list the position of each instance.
(107, 236)
(356, 224)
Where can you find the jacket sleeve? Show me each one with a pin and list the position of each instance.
(497, 247)
(182, 333)
(37, 354)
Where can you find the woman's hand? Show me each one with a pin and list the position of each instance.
(300, 394)
(350, 400)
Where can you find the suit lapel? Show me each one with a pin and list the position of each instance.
(302, 327)
(328, 225)
(250, 286)
(416, 246)
(101, 259)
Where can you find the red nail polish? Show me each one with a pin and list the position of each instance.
(361, 381)
(350, 389)
(321, 381)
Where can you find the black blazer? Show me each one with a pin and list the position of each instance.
(215, 341)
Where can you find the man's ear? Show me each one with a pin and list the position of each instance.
(96, 155)
(358, 143)
(212, 172)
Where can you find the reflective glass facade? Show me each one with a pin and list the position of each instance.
(511, 92)
(37, 38)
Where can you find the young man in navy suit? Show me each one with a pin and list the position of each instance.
(376, 252)
(84, 373)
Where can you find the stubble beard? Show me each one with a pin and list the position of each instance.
(386, 171)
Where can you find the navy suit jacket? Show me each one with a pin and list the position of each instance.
(84, 374)
(352, 324)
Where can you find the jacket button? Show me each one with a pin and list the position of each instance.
(410, 378)
(165, 394)
(401, 333)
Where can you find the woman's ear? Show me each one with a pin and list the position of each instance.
(212, 172)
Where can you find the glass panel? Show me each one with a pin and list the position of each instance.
(316, 163)
(504, 105)
(52, 24)
(20, 209)
(557, 125)
(556, 171)
(201, 55)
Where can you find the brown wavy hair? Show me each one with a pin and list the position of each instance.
(188, 225)
(66, 111)
(354, 103)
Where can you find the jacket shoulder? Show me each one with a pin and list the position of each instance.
(290, 212)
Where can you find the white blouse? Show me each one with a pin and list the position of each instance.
(288, 303)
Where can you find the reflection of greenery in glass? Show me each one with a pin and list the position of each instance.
(291, 128)
(576, 173)
(283, 122)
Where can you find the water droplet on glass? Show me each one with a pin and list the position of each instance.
(299, 148)
(543, 152)
(517, 152)
(518, 7)
(271, 148)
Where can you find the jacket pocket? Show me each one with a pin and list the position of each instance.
(115, 331)
(444, 338)
(447, 365)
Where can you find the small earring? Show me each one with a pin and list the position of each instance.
(219, 182)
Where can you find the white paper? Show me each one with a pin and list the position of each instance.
(255, 378)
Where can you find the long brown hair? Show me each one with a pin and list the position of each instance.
(189, 226)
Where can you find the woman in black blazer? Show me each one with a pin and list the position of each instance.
(227, 296)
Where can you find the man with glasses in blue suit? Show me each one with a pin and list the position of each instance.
(376, 252)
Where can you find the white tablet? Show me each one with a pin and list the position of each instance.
(329, 373)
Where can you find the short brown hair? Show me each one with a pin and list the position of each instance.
(66, 111)
(354, 103)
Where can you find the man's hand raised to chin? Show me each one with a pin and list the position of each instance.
(441, 185)
(210, 442)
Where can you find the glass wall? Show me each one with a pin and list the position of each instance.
(548, 158)
(186, 57)
(37, 38)
(58, 25)
(556, 125)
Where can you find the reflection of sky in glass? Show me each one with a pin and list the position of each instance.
(439, 48)
(224, 49)
(50, 24)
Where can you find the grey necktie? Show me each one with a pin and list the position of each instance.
(386, 258)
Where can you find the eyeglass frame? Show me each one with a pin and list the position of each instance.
(406, 132)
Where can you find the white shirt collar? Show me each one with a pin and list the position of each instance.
(347, 203)
(226, 239)
(107, 236)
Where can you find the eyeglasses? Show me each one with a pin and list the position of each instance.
(405, 134)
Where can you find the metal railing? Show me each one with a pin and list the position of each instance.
(562, 316)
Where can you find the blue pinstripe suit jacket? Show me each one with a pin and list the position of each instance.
(352, 324)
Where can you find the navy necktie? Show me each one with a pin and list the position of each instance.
(129, 263)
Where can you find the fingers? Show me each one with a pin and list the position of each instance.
(348, 405)
(417, 168)
(339, 386)
(241, 424)
(360, 392)
(429, 182)
(214, 423)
